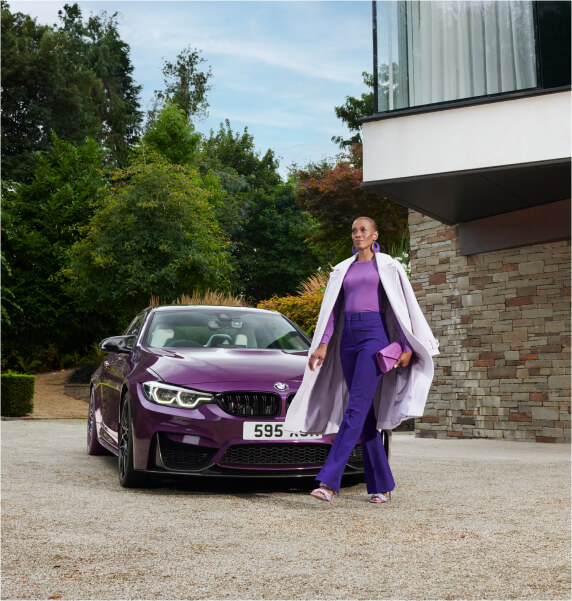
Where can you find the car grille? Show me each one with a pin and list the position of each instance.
(289, 400)
(276, 454)
(251, 404)
(181, 456)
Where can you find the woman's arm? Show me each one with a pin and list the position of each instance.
(332, 320)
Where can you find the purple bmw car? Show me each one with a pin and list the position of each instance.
(203, 391)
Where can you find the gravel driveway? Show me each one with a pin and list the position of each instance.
(470, 519)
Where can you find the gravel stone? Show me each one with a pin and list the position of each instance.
(469, 519)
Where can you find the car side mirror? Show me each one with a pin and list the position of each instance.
(117, 344)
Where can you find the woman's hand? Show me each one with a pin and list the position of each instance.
(318, 356)
(403, 360)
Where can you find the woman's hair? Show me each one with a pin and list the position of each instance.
(371, 221)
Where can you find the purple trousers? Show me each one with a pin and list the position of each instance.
(364, 334)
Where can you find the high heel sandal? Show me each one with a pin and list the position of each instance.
(380, 497)
(323, 495)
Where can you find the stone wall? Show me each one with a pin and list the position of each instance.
(503, 322)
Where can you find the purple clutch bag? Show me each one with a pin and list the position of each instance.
(387, 357)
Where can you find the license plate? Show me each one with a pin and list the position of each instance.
(271, 431)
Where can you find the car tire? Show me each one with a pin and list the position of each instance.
(93, 446)
(128, 476)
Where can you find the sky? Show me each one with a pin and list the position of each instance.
(279, 68)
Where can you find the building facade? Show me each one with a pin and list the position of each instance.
(472, 134)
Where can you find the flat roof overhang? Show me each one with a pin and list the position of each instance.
(462, 196)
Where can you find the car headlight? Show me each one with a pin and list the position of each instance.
(175, 396)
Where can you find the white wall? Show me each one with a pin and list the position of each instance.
(509, 132)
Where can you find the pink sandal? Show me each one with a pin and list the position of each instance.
(323, 495)
(380, 497)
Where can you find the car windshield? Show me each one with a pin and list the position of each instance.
(217, 328)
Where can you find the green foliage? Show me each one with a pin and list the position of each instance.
(353, 110)
(155, 234)
(273, 255)
(186, 84)
(17, 394)
(173, 136)
(268, 231)
(74, 80)
(40, 221)
(8, 303)
(227, 152)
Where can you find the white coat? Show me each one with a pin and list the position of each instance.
(320, 403)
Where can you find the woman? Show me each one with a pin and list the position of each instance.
(368, 303)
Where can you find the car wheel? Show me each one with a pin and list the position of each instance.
(93, 446)
(128, 476)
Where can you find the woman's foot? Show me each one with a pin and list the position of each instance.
(380, 497)
(323, 493)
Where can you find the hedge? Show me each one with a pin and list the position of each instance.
(17, 394)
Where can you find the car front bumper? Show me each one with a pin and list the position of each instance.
(207, 441)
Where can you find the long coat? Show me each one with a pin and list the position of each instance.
(321, 400)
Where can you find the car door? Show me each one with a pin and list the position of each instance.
(116, 368)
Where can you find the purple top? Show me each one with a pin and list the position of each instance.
(362, 292)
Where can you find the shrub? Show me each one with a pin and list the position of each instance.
(302, 310)
(17, 394)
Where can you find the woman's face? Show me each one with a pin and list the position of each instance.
(363, 234)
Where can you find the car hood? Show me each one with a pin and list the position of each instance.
(218, 369)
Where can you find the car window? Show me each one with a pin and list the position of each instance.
(224, 329)
(136, 325)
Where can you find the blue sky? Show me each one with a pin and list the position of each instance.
(279, 68)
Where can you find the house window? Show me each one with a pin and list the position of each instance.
(445, 51)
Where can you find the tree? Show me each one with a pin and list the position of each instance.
(226, 151)
(273, 256)
(353, 110)
(233, 158)
(268, 231)
(334, 197)
(173, 136)
(40, 221)
(117, 100)
(155, 234)
(186, 84)
(74, 80)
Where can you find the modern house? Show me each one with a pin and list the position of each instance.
(472, 133)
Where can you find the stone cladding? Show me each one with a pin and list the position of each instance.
(503, 322)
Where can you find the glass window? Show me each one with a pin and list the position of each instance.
(432, 52)
(203, 328)
(136, 325)
(554, 42)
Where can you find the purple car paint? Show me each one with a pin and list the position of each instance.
(203, 390)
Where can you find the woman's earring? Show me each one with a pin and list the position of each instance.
(354, 250)
(375, 247)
